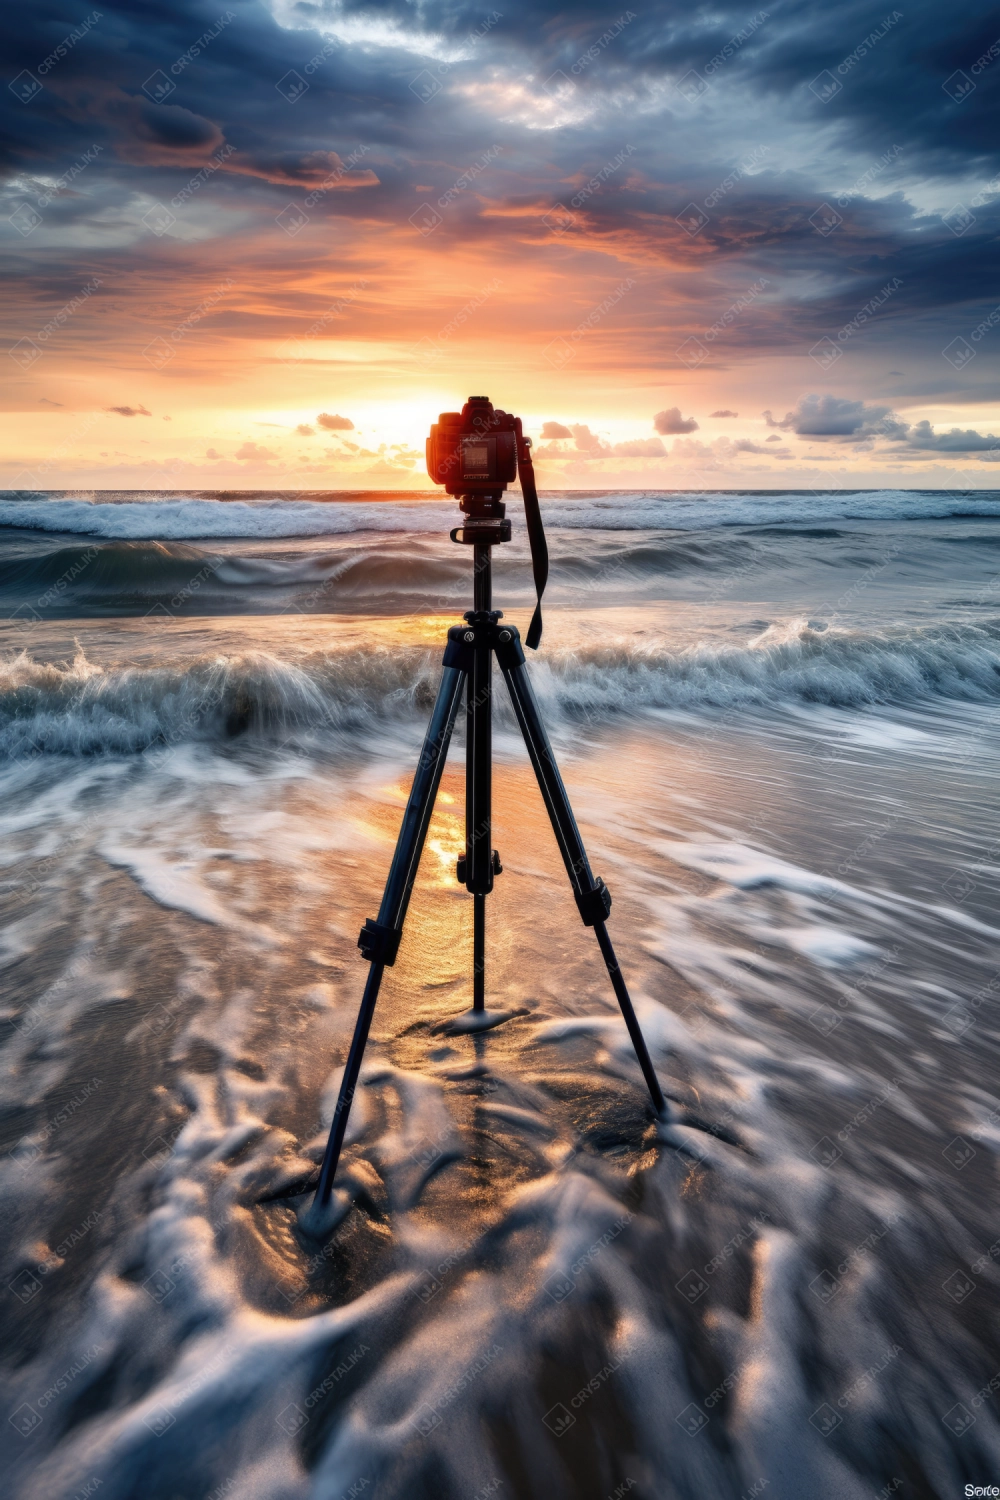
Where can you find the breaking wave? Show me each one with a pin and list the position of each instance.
(79, 708)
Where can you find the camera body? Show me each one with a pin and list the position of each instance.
(473, 453)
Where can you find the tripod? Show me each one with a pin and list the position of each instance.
(468, 663)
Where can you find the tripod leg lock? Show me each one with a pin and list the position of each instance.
(459, 652)
(462, 866)
(379, 944)
(594, 905)
(507, 645)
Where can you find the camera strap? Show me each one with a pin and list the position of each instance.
(536, 533)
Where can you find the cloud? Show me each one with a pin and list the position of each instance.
(830, 416)
(304, 430)
(385, 470)
(335, 423)
(587, 441)
(671, 421)
(251, 452)
(835, 417)
(723, 413)
(309, 169)
(157, 135)
(891, 121)
(922, 435)
(44, 401)
(729, 446)
(129, 411)
(211, 453)
(774, 438)
(641, 448)
(589, 445)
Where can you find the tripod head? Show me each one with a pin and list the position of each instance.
(475, 454)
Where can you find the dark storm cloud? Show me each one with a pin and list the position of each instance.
(236, 119)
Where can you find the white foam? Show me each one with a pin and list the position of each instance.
(177, 885)
(747, 869)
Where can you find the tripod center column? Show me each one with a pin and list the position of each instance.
(479, 768)
(482, 576)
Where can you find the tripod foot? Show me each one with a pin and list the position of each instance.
(317, 1220)
(476, 1020)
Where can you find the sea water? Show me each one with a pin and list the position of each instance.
(778, 718)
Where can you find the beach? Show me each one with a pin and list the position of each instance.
(777, 715)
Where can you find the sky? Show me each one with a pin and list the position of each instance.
(265, 243)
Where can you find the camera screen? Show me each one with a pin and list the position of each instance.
(475, 458)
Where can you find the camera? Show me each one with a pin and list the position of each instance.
(474, 452)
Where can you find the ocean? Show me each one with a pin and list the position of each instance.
(777, 717)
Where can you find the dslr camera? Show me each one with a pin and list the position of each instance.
(474, 452)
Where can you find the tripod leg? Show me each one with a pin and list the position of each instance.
(478, 952)
(379, 940)
(592, 896)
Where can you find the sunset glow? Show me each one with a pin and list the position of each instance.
(229, 224)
